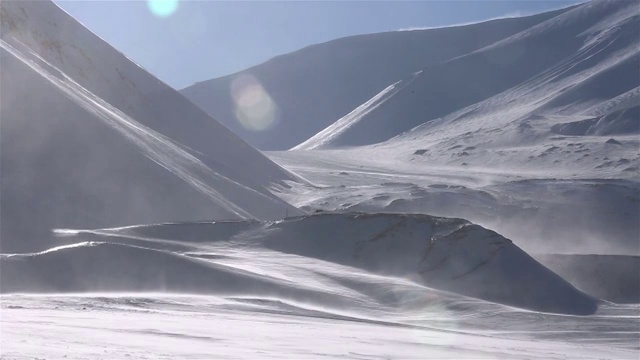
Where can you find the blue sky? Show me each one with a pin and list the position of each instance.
(200, 40)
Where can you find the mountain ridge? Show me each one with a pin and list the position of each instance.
(527, 61)
(98, 142)
(318, 84)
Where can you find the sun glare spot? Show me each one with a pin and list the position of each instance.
(162, 8)
(254, 108)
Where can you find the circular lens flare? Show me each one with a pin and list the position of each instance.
(162, 8)
(254, 108)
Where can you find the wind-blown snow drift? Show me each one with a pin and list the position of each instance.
(229, 257)
(89, 139)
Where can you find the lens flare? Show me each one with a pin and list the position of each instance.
(254, 108)
(162, 8)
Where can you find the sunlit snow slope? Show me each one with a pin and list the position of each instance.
(89, 139)
(524, 126)
(535, 136)
(574, 74)
(316, 85)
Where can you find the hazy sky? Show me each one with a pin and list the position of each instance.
(182, 42)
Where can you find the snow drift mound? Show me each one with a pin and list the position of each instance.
(445, 254)
(565, 65)
(88, 140)
(115, 267)
(314, 86)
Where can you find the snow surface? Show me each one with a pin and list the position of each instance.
(138, 326)
(314, 86)
(327, 135)
(447, 254)
(103, 146)
(524, 126)
(534, 136)
(248, 289)
(512, 92)
(575, 209)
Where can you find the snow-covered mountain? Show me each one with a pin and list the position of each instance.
(576, 73)
(538, 131)
(311, 88)
(88, 138)
(527, 127)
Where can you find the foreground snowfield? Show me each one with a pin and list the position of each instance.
(390, 288)
(104, 326)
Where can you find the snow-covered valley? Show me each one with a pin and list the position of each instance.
(482, 201)
(541, 211)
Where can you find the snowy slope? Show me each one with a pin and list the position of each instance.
(314, 86)
(334, 131)
(332, 285)
(535, 137)
(63, 42)
(546, 156)
(578, 63)
(160, 326)
(575, 208)
(234, 257)
(83, 147)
